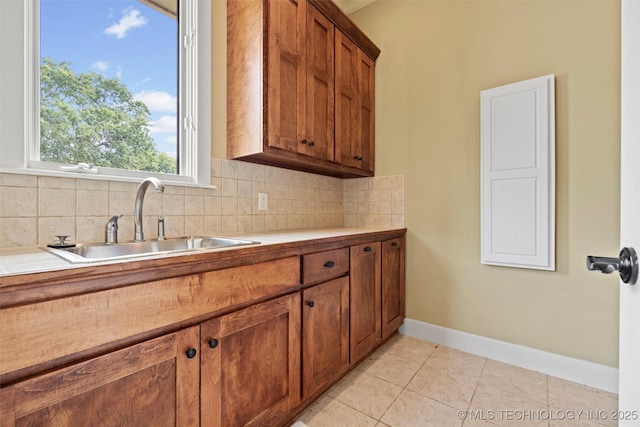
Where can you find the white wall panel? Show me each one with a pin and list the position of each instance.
(518, 174)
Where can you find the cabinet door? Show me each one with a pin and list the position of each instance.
(325, 333)
(393, 301)
(365, 299)
(355, 74)
(319, 142)
(347, 128)
(287, 71)
(250, 365)
(155, 383)
(366, 119)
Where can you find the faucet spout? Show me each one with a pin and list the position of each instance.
(137, 210)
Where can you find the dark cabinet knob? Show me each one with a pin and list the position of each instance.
(357, 157)
(191, 353)
(367, 248)
(394, 244)
(311, 144)
(329, 264)
(311, 303)
(213, 343)
(304, 141)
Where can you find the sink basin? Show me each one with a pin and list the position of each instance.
(95, 252)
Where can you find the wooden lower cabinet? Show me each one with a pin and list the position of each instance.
(155, 383)
(393, 296)
(257, 366)
(325, 334)
(377, 293)
(250, 365)
(365, 299)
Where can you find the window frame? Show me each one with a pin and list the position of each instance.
(20, 89)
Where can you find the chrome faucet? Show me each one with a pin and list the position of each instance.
(137, 211)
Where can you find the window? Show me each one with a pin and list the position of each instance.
(136, 73)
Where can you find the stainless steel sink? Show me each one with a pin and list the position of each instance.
(95, 252)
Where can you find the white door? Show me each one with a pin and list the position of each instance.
(629, 391)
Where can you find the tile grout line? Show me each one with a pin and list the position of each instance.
(548, 400)
(484, 365)
(408, 382)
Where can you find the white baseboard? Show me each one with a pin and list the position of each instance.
(579, 371)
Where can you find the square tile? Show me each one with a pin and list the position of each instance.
(366, 393)
(573, 404)
(449, 376)
(18, 232)
(18, 201)
(412, 409)
(58, 202)
(567, 394)
(327, 412)
(390, 367)
(516, 383)
(18, 180)
(409, 348)
(515, 396)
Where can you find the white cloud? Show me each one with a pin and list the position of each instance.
(101, 65)
(165, 124)
(169, 147)
(132, 19)
(119, 71)
(143, 81)
(158, 101)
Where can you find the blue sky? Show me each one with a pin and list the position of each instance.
(124, 39)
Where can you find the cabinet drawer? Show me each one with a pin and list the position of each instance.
(323, 266)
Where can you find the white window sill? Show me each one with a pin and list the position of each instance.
(101, 177)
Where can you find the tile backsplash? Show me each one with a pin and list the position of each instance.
(33, 209)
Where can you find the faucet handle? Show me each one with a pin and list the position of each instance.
(113, 222)
(111, 229)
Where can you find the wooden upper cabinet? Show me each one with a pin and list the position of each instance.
(346, 101)
(250, 365)
(355, 85)
(281, 86)
(155, 383)
(365, 145)
(287, 74)
(347, 129)
(319, 141)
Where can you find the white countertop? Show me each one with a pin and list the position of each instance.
(34, 259)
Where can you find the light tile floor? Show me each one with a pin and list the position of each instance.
(409, 382)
